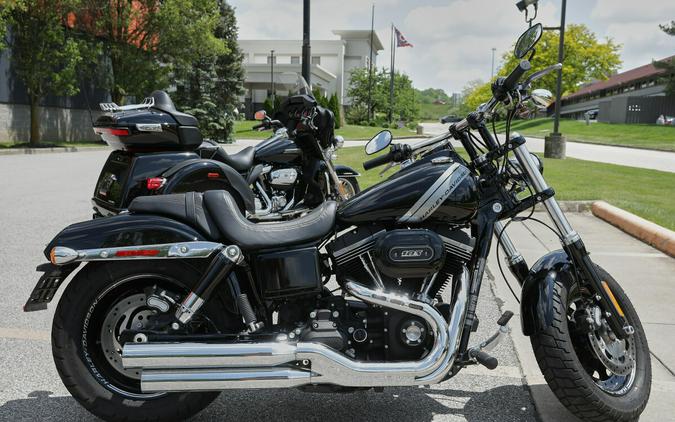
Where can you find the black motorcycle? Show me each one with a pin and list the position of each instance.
(159, 150)
(184, 297)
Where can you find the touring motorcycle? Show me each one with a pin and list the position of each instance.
(158, 150)
(184, 297)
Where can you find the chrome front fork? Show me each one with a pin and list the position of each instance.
(539, 185)
(514, 258)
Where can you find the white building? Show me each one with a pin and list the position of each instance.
(331, 63)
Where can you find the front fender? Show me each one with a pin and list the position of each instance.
(186, 172)
(343, 170)
(536, 304)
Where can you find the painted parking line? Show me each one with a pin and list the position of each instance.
(24, 334)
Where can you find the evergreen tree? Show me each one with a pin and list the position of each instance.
(334, 106)
(209, 87)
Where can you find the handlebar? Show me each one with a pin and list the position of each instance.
(260, 126)
(378, 161)
(511, 81)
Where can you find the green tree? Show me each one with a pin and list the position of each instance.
(668, 65)
(209, 86)
(475, 94)
(585, 58)
(405, 106)
(45, 53)
(145, 40)
(334, 106)
(431, 95)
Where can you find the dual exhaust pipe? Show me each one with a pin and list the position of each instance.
(211, 367)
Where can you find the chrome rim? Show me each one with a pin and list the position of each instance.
(609, 361)
(348, 187)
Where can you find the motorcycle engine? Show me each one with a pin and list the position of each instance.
(400, 260)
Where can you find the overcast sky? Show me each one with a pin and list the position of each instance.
(453, 38)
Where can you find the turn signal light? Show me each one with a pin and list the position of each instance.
(213, 175)
(155, 183)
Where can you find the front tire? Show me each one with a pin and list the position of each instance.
(351, 185)
(579, 375)
(86, 359)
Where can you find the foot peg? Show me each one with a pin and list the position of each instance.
(486, 360)
(479, 352)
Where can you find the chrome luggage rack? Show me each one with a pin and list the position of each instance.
(112, 107)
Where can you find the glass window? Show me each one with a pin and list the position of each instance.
(316, 60)
(271, 58)
(295, 59)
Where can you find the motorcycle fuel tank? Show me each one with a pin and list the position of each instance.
(431, 191)
(277, 149)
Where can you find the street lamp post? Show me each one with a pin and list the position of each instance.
(555, 143)
(272, 77)
(492, 69)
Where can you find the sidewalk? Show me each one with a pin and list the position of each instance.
(646, 275)
(632, 157)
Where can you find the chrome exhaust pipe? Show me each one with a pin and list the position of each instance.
(202, 355)
(167, 366)
(155, 380)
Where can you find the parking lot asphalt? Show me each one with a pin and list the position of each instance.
(41, 194)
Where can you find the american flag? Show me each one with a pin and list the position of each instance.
(401, 41)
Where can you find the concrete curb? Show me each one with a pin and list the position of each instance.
(569, 206)
(648, 232)
(30, 151)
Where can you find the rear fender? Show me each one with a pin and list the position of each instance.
(123, 230)
(536, 304)
(179, 175)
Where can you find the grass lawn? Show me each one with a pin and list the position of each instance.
(632, 135)
(52, 144)
(349, 132)
(433, 112)
(647, 193)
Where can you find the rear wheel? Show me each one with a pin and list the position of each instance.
(100, 303)
(597, 376)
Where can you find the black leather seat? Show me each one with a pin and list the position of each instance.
(241, 161)
(216, 215)
(251, 236)
(163, 103)
(184, 207)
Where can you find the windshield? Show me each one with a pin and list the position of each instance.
(290, 84)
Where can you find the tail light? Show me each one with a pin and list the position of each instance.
(112, 131)
(155, 183)
(213, 175)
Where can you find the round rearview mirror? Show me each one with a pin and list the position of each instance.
(542, 97)
(528, 40)
(260, 115)
(379, 142)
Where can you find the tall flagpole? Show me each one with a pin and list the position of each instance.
(391, 77)
(370, 66)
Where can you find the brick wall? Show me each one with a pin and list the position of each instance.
(56, 124)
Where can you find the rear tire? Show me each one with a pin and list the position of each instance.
(88, 371)
(580, 387)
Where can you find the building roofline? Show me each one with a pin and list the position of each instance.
(347, 34)
(623, 78)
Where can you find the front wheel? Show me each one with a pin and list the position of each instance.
(595, 375)
(350, 185)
